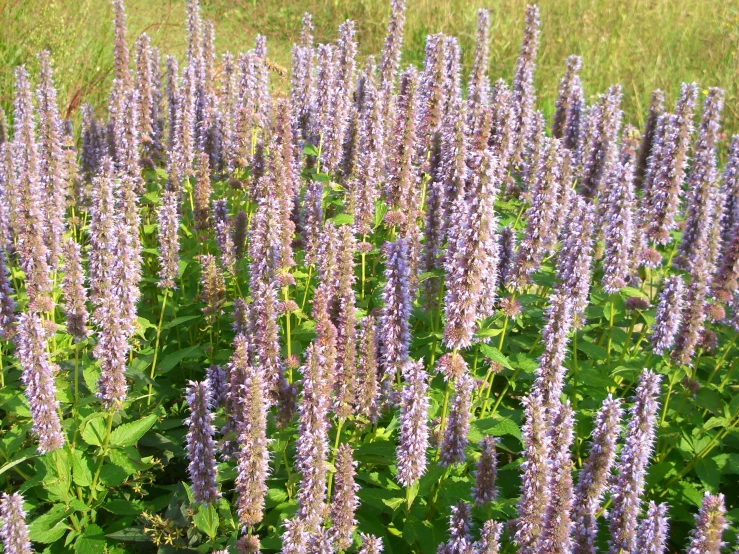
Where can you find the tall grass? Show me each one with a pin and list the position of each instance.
(643, 44)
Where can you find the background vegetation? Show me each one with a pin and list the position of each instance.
(642, 44)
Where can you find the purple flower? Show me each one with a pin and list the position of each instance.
(650, 136)
(710, 524)
(653, 530)
(489, 542)
(370, 544)
(52, 168)
(486, 472)
(253, 455)
(524, 94)
(28, 221)
(702, 180)
(212, 288)
(669, 314)
(666, 171)
(169, 245)
(414, 430)
(200, 445)
(73, 289)
(345, 501)
(454, 441)
(569, 106)
(346, 327)
(631, 469)
(394, 328)
(540, 232)
(312, 443)
(13, 528)
(478, 88)
(472, 257)
(595, 474)
(534, 481)
(38, 377)
(460, 523)
(7, 305)
(599, 160)
(367, 382)
(555, 336)
(556, 536)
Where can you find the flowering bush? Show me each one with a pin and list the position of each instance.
(378, 314)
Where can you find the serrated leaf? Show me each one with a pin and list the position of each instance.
(593, 351)
(206, 519)
(128, 434)
(495, 355)
(631, 292)
(94, 430)
(49, 527)
(81, 472)
(92, 542)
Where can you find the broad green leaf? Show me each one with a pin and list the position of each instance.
(631, 292)
(49, 527)
(495, 355)
(92, 542)
(93, 432)
(81, 472)
(342, 219)
(593, 351)
(206, 519)
(171, 361)
(129, 433)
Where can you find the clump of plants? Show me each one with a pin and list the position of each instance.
(394, 310)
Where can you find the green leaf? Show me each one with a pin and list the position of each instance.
(81, 472)
(495, 355)
(592, 351)
(130, 534)
(179, 321)
(123, 507)
(50, 526)
(128, 434)
(709, 474)
(488, 332)
(92, 542)
(342, 219)
(93, 432)
(91, 376)
(171, 361)
(631, 292)
(206, 519)
(310, 150)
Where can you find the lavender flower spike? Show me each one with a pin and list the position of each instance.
(73, 287)
(200, 444)
(628, 485)
(556, 536)
(169, 223)
(486, 472)
(669, 314)
(414, 431)
(253, 457)
(7, 305)
(534, 481)
(13, 528)
(394, 328)
(345, 501)
(653, 530)
(370, 544)
(710, 523)
(594, 475)
(38, 377)
(489, 542)
(454, 441)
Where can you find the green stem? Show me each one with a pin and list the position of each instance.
(156, 345)
(307, 287)
(336, 451)
(103, 454)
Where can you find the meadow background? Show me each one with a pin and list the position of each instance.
(642, 44)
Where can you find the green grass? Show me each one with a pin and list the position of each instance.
(642, 44)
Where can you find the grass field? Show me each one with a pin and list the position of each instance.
(642, 44)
